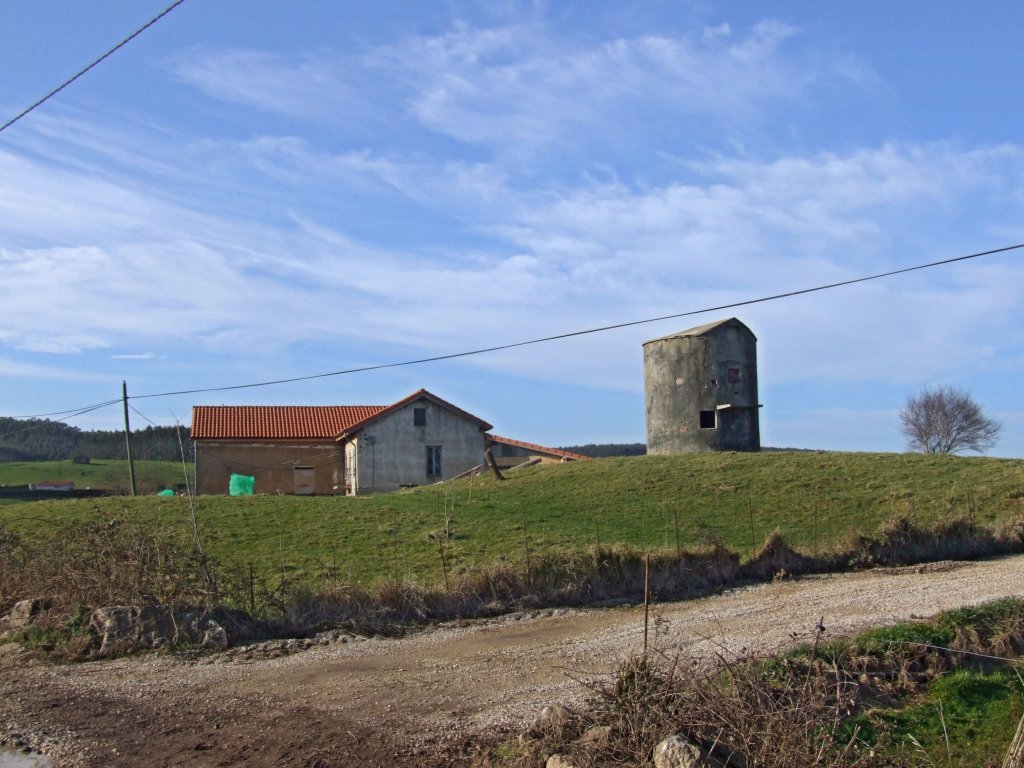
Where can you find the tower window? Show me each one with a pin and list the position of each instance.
(707, 420)
(734, 375)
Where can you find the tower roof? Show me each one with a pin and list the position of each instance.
(704, 330)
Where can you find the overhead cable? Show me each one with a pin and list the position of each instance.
(498, 348)
(81, 72)
(70, 415)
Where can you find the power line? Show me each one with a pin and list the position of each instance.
(72, 411)
(81, 72)
(71, 415)
(144, 416)
(454, 355)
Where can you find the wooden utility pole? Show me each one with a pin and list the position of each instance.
(128, 435)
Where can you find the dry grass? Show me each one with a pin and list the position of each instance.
(84, 565)
(111, 563)
(740, 711)
(810, 708)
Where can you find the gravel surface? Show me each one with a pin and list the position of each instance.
(423, 699)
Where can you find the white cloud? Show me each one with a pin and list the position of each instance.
(558, 258)
(304, 85)
(519, 89)
(519, 86)
(17, 369)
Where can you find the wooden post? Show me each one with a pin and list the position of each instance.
(1015, 757)
(647, 595)
(128, 436)
(490, 462)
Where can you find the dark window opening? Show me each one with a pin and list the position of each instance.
(707, 420)
(734, 375)
(433, 461)
(419, 417)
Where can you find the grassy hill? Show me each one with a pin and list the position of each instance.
(814, 499)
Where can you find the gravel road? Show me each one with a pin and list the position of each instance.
(418, 701)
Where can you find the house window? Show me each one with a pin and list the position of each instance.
(419, 417)
(707, 420)
(433, 461)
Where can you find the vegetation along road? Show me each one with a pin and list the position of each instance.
(426, 699)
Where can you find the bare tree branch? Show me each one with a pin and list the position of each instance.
(947, 419)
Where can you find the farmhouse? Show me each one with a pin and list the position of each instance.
(336, 449)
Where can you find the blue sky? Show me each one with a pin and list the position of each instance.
(256, 190)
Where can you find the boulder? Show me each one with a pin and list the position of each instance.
(596, 735)
(554, 718)
(124, 628)
(21, 615)
(677, 752)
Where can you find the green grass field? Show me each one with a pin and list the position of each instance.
(815, 499)
(99, 473)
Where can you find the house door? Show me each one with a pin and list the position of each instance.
(304, 481)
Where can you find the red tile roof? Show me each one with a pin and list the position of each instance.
(296, 422)
(282, 422)
(538, 448)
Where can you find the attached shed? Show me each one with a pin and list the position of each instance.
(338, 449)
(511, 453)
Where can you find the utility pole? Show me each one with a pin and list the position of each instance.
(128, 435)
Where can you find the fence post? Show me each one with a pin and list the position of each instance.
(647, 595)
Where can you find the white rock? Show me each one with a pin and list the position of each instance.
(677, 752)
(559, 761)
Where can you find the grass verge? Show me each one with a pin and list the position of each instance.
(889, 697)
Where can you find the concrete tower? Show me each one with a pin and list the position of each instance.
(701, 390)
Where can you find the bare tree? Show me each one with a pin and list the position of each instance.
(946, 419)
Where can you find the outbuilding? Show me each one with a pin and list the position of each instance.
(336, 449)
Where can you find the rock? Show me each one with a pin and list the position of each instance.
(559, 761)
(596, 735)
(22, 614)
(554, 718)
(11, 652)
(124, 628)
(116, 626)
(677, 752)
(215, 638)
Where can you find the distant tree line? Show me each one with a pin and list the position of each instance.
(45, 440)
(603, 450)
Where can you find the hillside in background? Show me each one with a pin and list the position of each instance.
(606, 450)
(45, 440)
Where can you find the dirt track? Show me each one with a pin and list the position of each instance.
(417, 701)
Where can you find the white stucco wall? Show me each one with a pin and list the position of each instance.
(392, 451)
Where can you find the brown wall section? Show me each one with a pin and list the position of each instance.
(272, 464)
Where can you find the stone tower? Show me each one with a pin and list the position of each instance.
(701, 390)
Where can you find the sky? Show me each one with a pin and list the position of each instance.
(255, 191)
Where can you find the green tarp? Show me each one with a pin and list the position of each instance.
(166, 492)
(242, 485)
